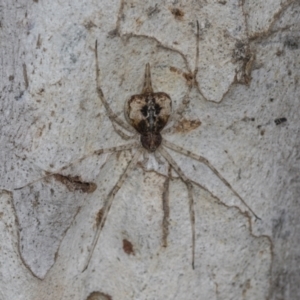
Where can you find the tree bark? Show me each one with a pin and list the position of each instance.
(242, 116)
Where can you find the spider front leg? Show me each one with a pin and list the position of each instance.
(166, 209)
(203, 160)
(71, 180)
(102, 214)
(112, 116)
(189, 186)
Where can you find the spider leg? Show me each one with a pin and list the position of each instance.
(146, 158)
(95, 152)
(112, 116)
(158, 159)
(122, 134)
(197, 52)
(189, 186)
(203, 160)
(102, 214)
(166, 209)
(175, 117)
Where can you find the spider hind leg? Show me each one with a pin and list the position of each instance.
(112, 116)
(177, 115)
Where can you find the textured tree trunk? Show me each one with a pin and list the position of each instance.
(242, 116)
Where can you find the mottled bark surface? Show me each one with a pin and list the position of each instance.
(243, 116)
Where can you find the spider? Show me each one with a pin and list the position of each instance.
(147, 115)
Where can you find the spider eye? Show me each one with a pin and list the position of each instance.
(144, 110)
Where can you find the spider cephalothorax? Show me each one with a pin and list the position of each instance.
(149, 113)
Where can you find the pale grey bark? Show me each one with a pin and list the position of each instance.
(249, 70)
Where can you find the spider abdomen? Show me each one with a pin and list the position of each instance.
(149, 113)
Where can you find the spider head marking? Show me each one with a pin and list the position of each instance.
(149, 113)
(151, 141)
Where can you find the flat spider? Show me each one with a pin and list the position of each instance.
(147, 115)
